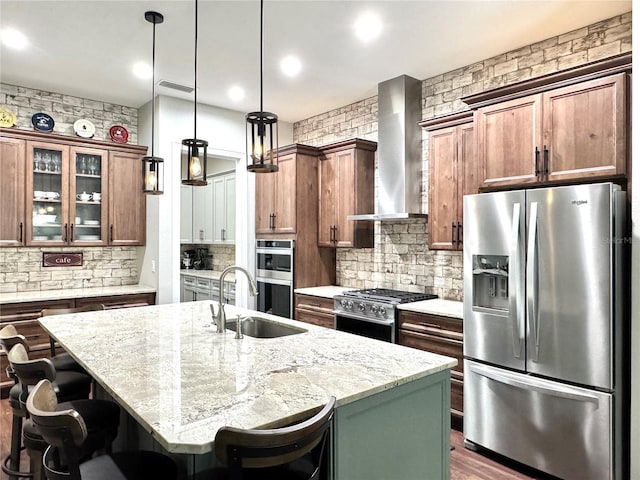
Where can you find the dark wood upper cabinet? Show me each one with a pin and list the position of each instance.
(452, 174)
(12, 195)
(346, 178)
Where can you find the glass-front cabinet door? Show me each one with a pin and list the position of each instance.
(47, 188)
(64, 188)
(87, 212)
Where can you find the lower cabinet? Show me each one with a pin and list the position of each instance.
(24, 316)
(314, 310)
(441, 335)
(193, 289)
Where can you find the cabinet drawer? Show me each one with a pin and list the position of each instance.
(191, 281)
(320, 304)
(119, 301)
(203, 283)
(433, 344)
(314, 317)
(15, 312)
(430, 324)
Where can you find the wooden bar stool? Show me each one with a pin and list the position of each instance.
(66, 433)
(71, 390)
(294, 452)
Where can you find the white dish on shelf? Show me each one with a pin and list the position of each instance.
(92, 222)
(39, 238)
(89, 237)
(43, 219)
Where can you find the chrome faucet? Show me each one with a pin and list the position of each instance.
(221, 318)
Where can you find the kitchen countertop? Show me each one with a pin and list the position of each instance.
(437, 306)
(182, 381)
(42, 295)
(327, 291)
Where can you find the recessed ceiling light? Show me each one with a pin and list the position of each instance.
(142, 70)
(236, 93)
(368, 26)
(14, 39)
(290, 66)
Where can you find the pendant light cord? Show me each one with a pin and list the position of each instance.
(153, 90)
(261, 40)
(195, 78)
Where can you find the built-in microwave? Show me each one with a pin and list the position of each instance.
(274, 277)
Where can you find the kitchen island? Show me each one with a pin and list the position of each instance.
(180, 381)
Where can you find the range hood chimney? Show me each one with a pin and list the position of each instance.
(399, 150)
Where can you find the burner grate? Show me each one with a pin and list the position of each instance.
(389, 295)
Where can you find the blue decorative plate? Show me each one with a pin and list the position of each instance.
(42, 122)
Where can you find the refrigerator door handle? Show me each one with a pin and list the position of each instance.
(515, 314)
(534, 385)
(532, 280)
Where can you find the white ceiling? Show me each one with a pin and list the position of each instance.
(87, 48)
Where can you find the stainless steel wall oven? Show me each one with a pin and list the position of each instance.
(274, 276)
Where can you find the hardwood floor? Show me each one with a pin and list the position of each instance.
(465, 464)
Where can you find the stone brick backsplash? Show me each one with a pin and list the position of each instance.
(21, 269)
(66, 109)
(400, 257)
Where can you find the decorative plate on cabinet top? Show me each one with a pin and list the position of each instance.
(7, 117)
(42, 122)
(84, 128)
(119, 134)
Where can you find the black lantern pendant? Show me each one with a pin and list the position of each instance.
(262, 128)
(152, 166)
(194, 151)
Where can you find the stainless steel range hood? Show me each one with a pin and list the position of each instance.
(399, 150)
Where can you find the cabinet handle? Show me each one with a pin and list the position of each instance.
(20, 232)
(222, 234)
(537, 162)
(71, 237)
(273, 218)
(459, 236)
(453, 233)
(111, 233)
(66, 232)
(430, 325)
(545, 168)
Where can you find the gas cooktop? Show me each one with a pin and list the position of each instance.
(389, 296)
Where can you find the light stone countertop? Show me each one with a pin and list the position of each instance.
(438, 306)
(210, 274)
(43, 295)
(182, 381)
(327, 291)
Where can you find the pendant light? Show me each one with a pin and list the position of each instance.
(153, 167)
(262, 128)
(194, 151)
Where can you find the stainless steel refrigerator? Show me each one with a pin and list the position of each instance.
(544, 293)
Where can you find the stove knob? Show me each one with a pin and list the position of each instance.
(361, 307)
(343, 303)
(349, 305)
(375, 309)
(383, 312)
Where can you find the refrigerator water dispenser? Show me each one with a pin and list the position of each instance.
(491, 281)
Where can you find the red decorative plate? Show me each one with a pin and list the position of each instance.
(119, 134)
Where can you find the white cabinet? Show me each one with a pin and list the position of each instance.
(224, 209)
(202, 216)
(186, 214)
(194, 288)
(208, 213)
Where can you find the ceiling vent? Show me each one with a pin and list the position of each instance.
(175, 86)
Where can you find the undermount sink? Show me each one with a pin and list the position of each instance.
(259, 327)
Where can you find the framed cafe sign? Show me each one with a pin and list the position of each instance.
(61, 259)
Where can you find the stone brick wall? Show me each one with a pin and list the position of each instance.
(66, 109)
(21, 269)
(400, 257)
